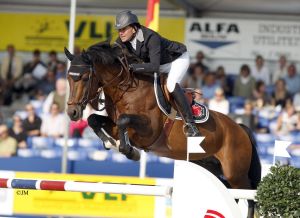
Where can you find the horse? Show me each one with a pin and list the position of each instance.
(136, 122)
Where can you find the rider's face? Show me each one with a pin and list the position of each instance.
(126, 33)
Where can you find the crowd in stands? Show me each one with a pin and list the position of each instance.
(268, 102)
(41, 87)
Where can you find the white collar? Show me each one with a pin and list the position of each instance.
(139, 35)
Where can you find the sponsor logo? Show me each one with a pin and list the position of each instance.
(213, 214)
(214, 35)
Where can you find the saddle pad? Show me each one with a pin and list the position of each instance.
(200, 111)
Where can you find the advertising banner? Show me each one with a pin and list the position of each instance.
(243, 39)
(50, 31)
(84, 204)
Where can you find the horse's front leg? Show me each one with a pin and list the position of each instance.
(103, 127)
(136, 122)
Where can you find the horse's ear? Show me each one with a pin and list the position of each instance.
(69, 55)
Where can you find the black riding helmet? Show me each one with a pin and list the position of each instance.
(125, 18)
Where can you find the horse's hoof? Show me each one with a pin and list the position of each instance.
(134, 154)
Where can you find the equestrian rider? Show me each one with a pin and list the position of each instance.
(159, 55)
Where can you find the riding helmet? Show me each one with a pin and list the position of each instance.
(125, 18)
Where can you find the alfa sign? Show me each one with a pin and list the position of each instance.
(243, 39)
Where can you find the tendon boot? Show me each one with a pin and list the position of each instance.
(190, 128)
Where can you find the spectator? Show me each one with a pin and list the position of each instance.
(281, 70)
(11, 71)
(32, 124)
(298, 122)
(222, 80)
(260, 96)
(17, 132)
(247, 116)
(210, 86)
(195, 79)
(1, 118)
(200, 61)
(48, 84)
(53, 61)
(280, 94)
(53, 124)
(292, 80)
(36, 67)
(219, 102)
(296, 101)
(260, 71)
(287, 120)
(8, 145)
(244, 84)
(57, 96)
(34, 71)
(61, 71)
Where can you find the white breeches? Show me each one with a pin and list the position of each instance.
(176, 70)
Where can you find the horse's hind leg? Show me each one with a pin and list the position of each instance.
(238, 181)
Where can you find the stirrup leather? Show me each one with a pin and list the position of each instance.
(190, 130)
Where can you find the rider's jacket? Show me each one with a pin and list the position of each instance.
(153, 49)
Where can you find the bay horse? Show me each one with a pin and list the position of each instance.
(136, 122)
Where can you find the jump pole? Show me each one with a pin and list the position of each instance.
(95, 187)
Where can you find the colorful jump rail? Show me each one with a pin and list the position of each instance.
(96, 187)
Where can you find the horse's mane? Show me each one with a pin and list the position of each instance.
(102, 53)
(108, 54)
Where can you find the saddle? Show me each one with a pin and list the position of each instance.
(166, 105)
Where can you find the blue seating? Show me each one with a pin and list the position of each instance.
(71, 142)
(51, 153)
(265, 138)
(27, 152)
(263, 122)
(77, 154)
(40, 142)
(235, 103)
(82, 142)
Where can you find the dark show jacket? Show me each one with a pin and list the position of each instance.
(153, 49)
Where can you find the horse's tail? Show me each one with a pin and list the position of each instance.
(255, 166)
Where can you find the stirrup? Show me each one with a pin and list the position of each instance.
(190, 130)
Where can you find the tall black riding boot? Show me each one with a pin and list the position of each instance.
(185, 111)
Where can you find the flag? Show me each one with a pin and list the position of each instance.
(193, 145)
(280, 148)
(152, 14)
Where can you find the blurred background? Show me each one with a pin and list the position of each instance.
(245, 58)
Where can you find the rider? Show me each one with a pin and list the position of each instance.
(159, 55)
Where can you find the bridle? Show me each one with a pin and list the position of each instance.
(86, 97)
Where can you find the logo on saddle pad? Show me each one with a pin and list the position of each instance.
(200, 112)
